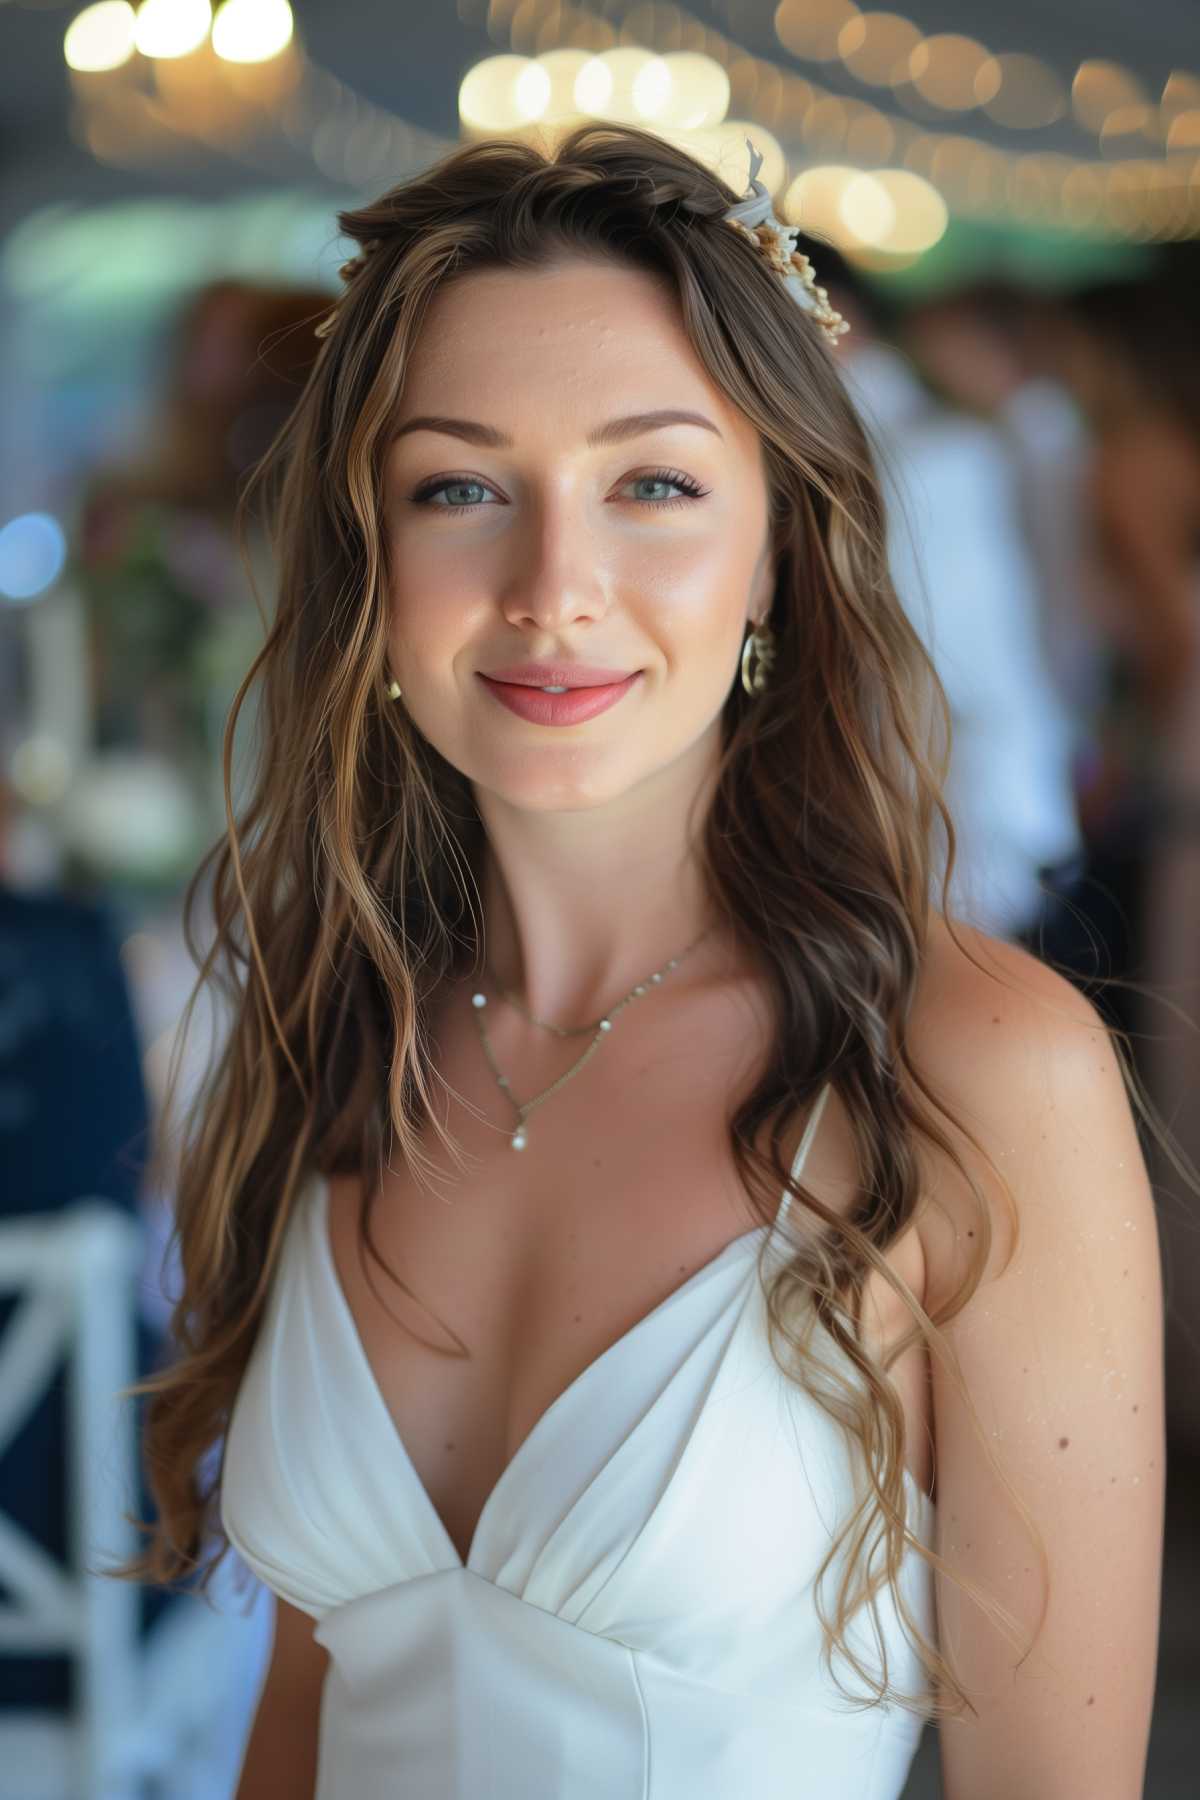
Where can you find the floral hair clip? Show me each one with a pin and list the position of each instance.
(755, 218)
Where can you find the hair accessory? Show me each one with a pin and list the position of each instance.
(754, 217)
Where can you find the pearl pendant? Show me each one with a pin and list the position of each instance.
(518, 1140)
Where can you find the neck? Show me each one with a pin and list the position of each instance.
(579, 907)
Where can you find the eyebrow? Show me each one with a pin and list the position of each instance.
(613, 432)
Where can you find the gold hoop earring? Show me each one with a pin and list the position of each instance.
(761, 644)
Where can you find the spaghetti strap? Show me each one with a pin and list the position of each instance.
(814, 1119)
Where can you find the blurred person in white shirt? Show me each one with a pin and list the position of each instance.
(990, 349)
(964, 572)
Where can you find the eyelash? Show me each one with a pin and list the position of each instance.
(669, 477)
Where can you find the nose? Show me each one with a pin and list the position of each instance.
(557, 577)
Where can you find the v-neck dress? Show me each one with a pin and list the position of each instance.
(635, 1618)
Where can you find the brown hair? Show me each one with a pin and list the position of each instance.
(339, 895)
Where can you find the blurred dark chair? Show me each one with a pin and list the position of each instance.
(102, 1683)
(73, 1122)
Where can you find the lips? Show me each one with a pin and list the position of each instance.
(568, 675)
(574, 707)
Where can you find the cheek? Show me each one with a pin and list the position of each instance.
(430, 610)
(693, 595)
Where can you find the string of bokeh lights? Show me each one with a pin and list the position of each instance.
(880, 185)
(1141, 197)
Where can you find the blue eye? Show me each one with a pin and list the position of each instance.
(691, 490)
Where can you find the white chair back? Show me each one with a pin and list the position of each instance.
(162, 1707)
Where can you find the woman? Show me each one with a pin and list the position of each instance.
(626, 1484)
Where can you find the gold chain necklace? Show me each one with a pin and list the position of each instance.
(479, 1002)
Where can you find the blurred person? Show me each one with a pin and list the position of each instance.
(74, 1122)
(157, 563)
(997, 352)
(1137, 362)
(987, 349)
(168, 587)
(1129, 351)
(591, 711)
(962, 566)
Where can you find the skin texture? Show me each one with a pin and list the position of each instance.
(1061, 1351)
(570, 550)
(590, 884)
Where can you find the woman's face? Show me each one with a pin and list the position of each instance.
(518, 539)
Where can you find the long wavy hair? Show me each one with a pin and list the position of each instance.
(347, 888)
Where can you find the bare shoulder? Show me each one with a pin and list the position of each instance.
(1019, 1056)
(1059, 1349)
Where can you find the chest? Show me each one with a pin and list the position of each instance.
(537, 1262)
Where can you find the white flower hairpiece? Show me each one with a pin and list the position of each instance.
(754, 216)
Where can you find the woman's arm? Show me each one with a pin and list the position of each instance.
(281, 1752)
(1062, 1355)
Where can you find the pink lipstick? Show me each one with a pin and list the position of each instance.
(572, 708)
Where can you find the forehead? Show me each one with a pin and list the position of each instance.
(577, 341)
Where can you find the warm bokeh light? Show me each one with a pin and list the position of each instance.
(488, 93)
(251, 31)
(1028, 187)
(870, 135)
(810, 28)
(876, 47)
(1181, 88)
(1083, 196)
(100, 37)
(1021, 92)
(1131, 121)
(951, 160)
(1181, 92)
(683, 90)
(814, 199)
(687, 96)
(561, 69)
(866, 209)
(202, 95)
(1100, 88)
(986, 178)
(945, 68)
(892, 211)
(167, 28)
(1184, 131)
(919, 213)
(825, 123)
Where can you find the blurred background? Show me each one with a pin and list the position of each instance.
(1008, 213)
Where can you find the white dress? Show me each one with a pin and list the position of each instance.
(635, 1616)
